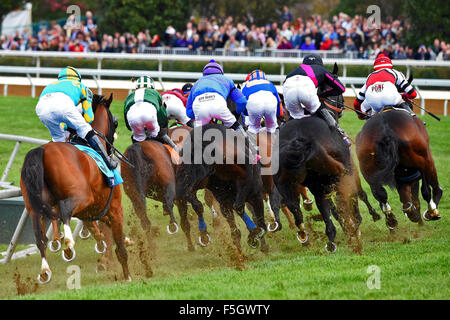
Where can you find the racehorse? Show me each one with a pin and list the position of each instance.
(393, 150)
(153, 176)
(59, 181)
(210, 159)
(313, 155)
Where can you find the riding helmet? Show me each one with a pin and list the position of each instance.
(256, 74)
(382, 62)
(145, 82)
(187, 89)
(69, 73)
(212, 67)
(313, 58)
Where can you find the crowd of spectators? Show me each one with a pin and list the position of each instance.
(341, 33)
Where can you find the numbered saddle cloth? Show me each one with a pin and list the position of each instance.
(112, 176)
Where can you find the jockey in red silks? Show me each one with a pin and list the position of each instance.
(384, 87)
(175, 102)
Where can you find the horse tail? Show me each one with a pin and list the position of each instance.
(32, 176)
(386, 156)
(297, 153)
(143, 167)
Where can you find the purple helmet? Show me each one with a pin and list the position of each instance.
(212, 68)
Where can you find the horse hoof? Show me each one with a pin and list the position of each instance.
(274, 228)
(302, 236)
(54, 245)
(172, 228)
(253, 243)
(128, 242)
(100, 248)
(44, 277)
(431, 216)
(68, 254)
(376, 217)
(84, 233)
(204, 239)
(100, 267)
(307, 204)
(331, 247)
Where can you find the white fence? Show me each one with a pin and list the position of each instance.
(31, 76)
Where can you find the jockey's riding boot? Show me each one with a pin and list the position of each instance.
(164, 138)
(190, 123)
(96, 144)
(253, 148)
(333, 123)
(405, 106)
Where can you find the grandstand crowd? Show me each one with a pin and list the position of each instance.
(342, 33)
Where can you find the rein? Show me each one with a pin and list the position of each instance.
(119, 155)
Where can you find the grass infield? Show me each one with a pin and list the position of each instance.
(413, 264)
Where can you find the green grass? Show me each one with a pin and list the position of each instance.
(414, 264)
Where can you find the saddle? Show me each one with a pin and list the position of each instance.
(112, 177)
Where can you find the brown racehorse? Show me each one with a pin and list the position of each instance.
(153, 176)
(393, 150)
(59, 182)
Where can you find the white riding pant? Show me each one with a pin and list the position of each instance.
(141, 116)
(53, 109)
(300, 93)
(175, 108)
(212, 105)
(262, 104)
(380, 95)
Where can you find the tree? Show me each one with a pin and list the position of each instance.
(137, 15)
(429, 20)
(6, 6)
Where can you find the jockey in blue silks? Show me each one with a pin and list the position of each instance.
(208, 98)
(69, 101)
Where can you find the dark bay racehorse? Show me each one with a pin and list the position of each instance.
(59, 182)
(393, 150)
(316, 156)
(213, 164)
(153, 176)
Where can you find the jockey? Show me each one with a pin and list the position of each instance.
(383, 88)
(305, 84)
(69, 101)
(145, 115)
(175, 103)
(208, 98)
(263, 101)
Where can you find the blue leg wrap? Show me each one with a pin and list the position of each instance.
(201, 224)
(248, 222)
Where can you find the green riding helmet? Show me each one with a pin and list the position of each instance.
(145, 82)
(69, 73)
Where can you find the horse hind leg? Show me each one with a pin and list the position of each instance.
(324, 206)
(430, 179)
(66, 208)
(409, 209)
(380, 194)
(363, 196)
(169, 195)
(41, 242)
(185, 225)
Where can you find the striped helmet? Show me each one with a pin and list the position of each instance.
(145, 82)
(256, 74)
(382, 62)
(69, 73)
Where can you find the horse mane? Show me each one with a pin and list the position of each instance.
(97, 100)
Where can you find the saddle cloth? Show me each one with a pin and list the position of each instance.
(112, 176)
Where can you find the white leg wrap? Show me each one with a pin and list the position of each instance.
(68, 236)
(432, 205)
(386, 207)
